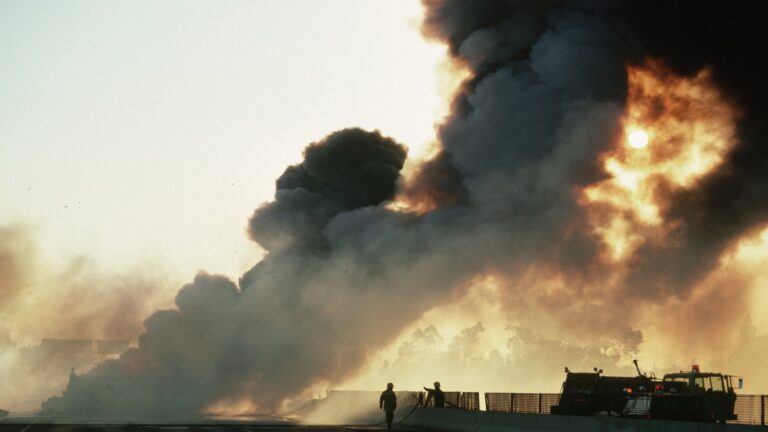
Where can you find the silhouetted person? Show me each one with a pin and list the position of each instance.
(437, 395)
(388, 402)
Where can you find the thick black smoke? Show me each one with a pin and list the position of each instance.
(437, 183)
(345, 273)
(347, 170)
(690, 36)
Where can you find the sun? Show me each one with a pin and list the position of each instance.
(675, 131)
(638, 138)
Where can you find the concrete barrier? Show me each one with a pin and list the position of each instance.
(455, 420)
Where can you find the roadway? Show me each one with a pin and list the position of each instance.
(223, 427)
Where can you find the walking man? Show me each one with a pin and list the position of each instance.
(388, 402)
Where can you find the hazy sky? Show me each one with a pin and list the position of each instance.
(141, 131)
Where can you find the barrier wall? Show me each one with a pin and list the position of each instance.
(455, 420)
(749, 408)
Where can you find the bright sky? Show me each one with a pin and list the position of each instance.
(142, 131)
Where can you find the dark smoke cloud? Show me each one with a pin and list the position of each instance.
(731, 201)
(347, 170)
(454, 20)
(345, 274)
(436, 183)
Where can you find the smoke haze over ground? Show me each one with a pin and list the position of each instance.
(77, 301)
(502, 204)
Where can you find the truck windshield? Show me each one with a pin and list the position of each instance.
(717, 383)
(701, 383)
(712, 383)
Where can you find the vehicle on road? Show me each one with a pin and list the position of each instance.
(591, 393)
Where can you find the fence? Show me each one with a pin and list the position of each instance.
(527, 403)
(750, 409)
(464, 400)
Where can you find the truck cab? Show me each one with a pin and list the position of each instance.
(715, 389)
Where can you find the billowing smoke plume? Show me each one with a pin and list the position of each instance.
(346, 272)
(348, 170)
(342, 276)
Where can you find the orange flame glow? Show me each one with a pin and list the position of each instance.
(675, 130)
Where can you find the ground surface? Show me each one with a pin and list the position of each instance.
(86, 426)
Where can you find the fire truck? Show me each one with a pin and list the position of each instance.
(716, 389)
(592, 393)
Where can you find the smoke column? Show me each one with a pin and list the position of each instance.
(345, 272)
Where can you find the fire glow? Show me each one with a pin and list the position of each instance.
(675, 130)
(638, 139)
